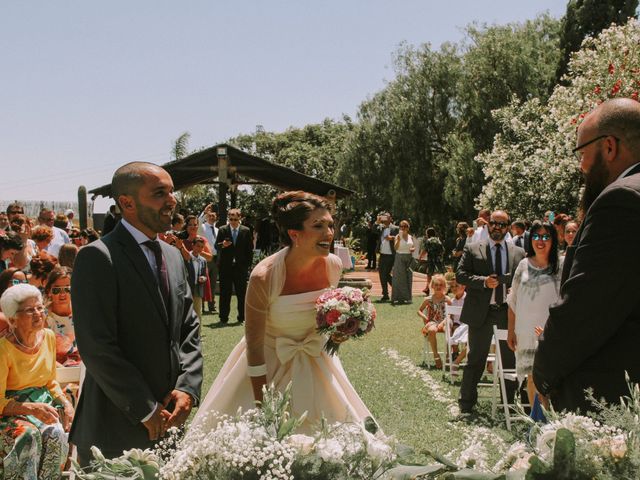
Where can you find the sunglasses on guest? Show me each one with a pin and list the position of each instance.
(493, 223)
(545, 237)
(17, 281)
(59, 290)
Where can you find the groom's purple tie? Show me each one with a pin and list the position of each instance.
(161, 270)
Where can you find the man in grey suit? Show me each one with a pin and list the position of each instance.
(387, 231)
(134, 322)
(591, 337)
(486, 268)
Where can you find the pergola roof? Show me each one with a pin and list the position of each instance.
(202, 167)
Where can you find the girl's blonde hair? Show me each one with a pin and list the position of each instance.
(436, 279)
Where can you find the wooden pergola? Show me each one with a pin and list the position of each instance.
(228, 167)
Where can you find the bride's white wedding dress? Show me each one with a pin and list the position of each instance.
(293, 353)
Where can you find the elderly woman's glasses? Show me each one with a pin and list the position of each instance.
(31, 311)
(59, 290)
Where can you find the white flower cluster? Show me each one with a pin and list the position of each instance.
(531, 168)
(235, 445)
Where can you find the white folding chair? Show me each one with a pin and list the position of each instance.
(500, 374)
(448, 363)
(66, 375)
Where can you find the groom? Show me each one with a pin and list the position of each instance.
(137, 332)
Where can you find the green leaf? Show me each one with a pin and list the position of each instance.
(408, 472)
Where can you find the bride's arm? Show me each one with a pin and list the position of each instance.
(256, 311)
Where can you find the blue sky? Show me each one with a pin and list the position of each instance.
(88, 86)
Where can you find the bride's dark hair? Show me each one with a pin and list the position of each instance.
(291, 209)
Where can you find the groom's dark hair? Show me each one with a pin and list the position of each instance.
(291, 209)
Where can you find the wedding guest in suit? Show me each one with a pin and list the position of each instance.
(388, 232)
(197, 270)
(209, 230)
(136, 329)
(235, 254)
(517, 232)
(592, 334)
(110, 220)
(486, 268)
(372, 245)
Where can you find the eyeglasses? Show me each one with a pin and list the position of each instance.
(59, 290)
(16, 281)
(576, 151)
(545, 237)
(570, 232)
(31, 311)
(493, 223)
(15, 212)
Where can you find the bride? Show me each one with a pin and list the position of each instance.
(281, 344)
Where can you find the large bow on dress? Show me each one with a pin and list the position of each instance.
(301, 353)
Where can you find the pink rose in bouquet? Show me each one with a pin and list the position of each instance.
(344, 313)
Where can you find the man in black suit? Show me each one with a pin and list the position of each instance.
(486, 268)
(592, 334)
(387, 232)
(134, 322)
(235, 254)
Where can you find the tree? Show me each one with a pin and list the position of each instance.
(531, 168)
(587, 18)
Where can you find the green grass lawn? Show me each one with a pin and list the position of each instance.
(409, 401)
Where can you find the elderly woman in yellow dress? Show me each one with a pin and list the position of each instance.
(35, 412)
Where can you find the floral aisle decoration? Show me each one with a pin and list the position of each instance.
(344, 313)
(262, 444)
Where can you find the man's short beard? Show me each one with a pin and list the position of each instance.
(595, 181)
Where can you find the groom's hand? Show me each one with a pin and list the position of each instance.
(182, 404)
(156, 424)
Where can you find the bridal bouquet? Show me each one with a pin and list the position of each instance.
(344, 313)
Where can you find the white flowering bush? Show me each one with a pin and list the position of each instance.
(531, 168)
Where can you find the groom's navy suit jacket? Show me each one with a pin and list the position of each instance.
(135, 351)
(592, 335)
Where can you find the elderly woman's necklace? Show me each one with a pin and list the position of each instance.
(36, 345)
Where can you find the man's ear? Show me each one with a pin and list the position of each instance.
(127, 203)
(611, 148)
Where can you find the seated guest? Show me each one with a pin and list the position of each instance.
(459, 331)
(10, 277)
(67, 255)
(41, 266)
(432, 312)
(10, 245)
(35, 411)
(58, 292)
(42, 236)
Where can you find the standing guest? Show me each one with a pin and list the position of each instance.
(461, 240)
(470, 232)
(435, 253)
(486, 268)
(22, 226)
(535, 286)
(177, 222)
(110, 220)
(134, 322)
(518, 233)
(75, 237)
(41, 266)
(69, 214)
(42, 236)
(592, 334)
(432, 312)
(10, 245)
(58, 292)
(14, 210)
(388, 232)
(570, 231)
(61, 222)
(10, 277)
(402, 280)
(191, 226)
(209, 230)
(197, 270)
(4, 221)
(559, 222)
(35, 411)
(235, 254)
(67, 255)
(47, 217)
(89, 235)
(481, 232)
(372, 245)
